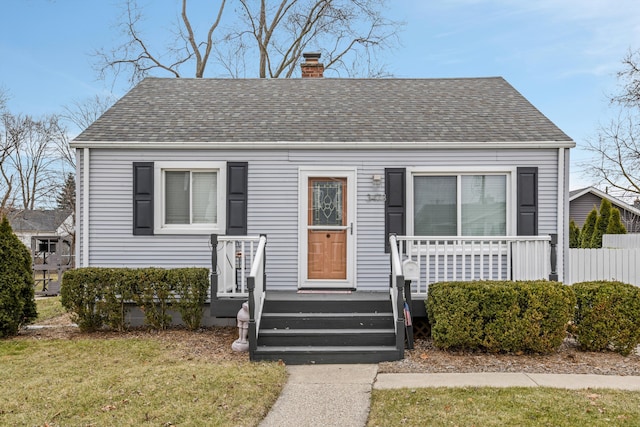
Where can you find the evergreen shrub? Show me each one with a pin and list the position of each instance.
(607, 316)
(499, 316)
(17, 298)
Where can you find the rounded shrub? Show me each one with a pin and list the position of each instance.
(499, 316)
(17, 298)
(607, 316)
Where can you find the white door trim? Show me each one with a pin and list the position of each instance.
(304, 173)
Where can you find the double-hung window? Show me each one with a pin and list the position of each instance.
(191, 197)
(469, 204)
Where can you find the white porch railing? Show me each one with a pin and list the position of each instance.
(257, 287)
(396, 285)
(234, 256)
(447, 258)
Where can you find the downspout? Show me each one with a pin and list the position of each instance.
(85, 210)
(562, 224)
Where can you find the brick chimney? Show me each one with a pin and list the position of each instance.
(311, 67)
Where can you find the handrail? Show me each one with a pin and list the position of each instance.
(257, 287)
(396, 284)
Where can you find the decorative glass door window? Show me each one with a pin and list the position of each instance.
(327, 203)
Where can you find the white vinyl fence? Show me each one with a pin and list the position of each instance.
(621, 241)
(604, 264)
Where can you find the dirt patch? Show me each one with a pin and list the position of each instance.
(567, 360)
(214, 344)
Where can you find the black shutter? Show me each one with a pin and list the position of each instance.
(527, 201)
(395, 203)
(143, 198)
(237, 174)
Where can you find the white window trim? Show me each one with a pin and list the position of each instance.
(512, 195)
(159, 201)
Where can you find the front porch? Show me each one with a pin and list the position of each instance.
(363, 325)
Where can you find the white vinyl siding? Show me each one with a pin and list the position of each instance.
(273, 204)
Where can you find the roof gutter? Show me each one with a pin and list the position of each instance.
(305, 145)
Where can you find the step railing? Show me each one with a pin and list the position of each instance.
(396, 285)
(465, 258)
(257, 288)
(231, 261)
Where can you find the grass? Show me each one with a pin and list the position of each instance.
(128, 382)
(48, 308)
(504, 407)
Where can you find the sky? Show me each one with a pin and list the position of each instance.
(562, 55)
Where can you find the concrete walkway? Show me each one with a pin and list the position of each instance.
(339, 395)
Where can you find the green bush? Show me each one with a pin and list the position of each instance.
(499, 316)
(81, 294)
(99, 297)
(607, 316)
(17, 299)
(192, 286)
(153, 297)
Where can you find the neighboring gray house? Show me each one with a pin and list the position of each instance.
(326, 168)
(583, 200)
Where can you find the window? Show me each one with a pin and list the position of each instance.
(191, 197)
(460, 205)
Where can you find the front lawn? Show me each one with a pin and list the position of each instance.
(127, 382)
(521, 407)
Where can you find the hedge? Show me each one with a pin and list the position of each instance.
(607, 316)
(100, 297)
(499, 316)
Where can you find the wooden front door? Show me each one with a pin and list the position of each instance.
(327, 228)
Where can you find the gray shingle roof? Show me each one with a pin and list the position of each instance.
(323, 110)
(37, 220)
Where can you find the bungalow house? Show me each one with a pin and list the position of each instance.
(583, 200)
(471, 178)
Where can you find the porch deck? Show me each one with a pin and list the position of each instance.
(348, 326)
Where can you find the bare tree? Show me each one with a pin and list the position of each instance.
(617, 144)
(346, 32)
(79, 114)
(265, 37)
(7, 148)
(138, 57)
(629, 79)
(28, 170)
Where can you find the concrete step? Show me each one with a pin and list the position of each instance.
(327, 337)
(299, 355)
(326, 320)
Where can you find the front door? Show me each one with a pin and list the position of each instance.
(328, 230)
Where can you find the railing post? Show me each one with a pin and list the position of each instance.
(554, 258)
(264, 264)
(214, 272)
(400, 320)
(408, 321)
(253, 336)
(390, 260)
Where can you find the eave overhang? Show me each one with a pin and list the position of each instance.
(323, 145)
